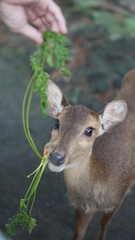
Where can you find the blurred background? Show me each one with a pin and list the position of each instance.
(102, 50)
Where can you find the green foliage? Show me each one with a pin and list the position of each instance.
(54, 53)
(84, 5)
(118, 25)
(41, 86)
(24, 218)
(21, 219)
(58, 53)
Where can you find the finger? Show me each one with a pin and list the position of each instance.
(37, 23)
(21, 2)
(43, 28)
(31, 13)
(50, 22)
(54, 28)
(49, 18)
(58, 17)
(45, 22)
(35, 20)
(41, 7)
(32, 33)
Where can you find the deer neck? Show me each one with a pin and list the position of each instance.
(79, 175)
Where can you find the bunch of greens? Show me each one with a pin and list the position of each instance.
(54, 53)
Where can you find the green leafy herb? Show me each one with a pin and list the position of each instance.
(54, 53)
(21, 219)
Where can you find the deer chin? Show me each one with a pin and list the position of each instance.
(55, 168)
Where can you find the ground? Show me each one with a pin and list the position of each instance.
(98, 65)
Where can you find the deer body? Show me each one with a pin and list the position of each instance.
(100, 174)
(101, 182)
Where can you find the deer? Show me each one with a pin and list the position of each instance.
(95, 151)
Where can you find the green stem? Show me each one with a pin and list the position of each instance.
(33, 200)
(35, 184)
(36, 181)
(31, 185)
(23, 109)
(41, 164)
(27, 123)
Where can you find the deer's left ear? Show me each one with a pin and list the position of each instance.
(112, 115)
(56, 99)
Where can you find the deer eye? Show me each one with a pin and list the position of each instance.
(57, 124)
(88, 131)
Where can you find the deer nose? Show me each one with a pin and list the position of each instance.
(56, 158)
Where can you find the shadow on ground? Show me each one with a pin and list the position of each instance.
(98, 66)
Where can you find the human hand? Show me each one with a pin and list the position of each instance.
(32, 17)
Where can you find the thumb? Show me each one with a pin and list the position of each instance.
(31, 32)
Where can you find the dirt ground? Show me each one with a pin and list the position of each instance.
(98, 66)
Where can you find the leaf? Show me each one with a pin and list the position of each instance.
(23, 220)
(65, 72)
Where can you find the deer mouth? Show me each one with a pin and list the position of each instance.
(55, 168)
(63, 166)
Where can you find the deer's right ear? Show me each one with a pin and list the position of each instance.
(112, 116)
(56, 99)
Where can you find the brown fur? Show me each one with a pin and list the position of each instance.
(105, 170)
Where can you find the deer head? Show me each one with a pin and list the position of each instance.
(77, 127)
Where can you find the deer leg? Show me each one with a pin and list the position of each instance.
(81, 222)
(104, 222)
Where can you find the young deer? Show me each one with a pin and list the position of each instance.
(98, 170)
